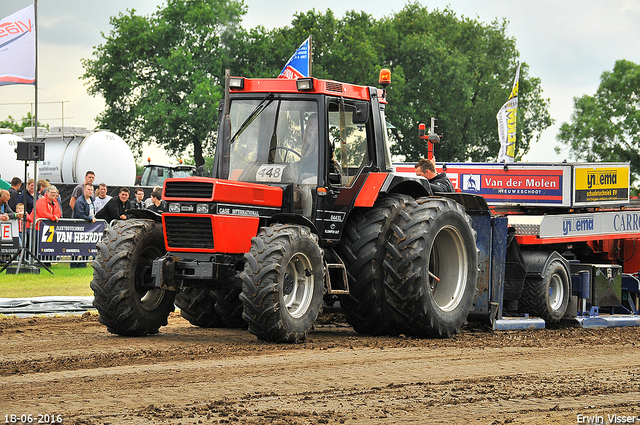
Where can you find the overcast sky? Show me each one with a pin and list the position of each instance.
(566, 43)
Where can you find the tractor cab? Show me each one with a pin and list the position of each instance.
(311, 137)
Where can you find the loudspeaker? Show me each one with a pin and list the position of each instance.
(30, 151)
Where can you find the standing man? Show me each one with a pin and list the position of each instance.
(116, 208)
(6, 213)
(101, 200)
(47, 206)
(137, 202)
(16, 182)
(440, 183)
(84, 208)
(78, 191)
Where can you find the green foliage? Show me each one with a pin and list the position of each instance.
(19, 126)
(459, 71)
(161, 75)
(606, 126)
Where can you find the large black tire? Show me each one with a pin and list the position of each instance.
(363, 250)
(431, 237)
(282, 283)
(547, 297)
(219, 308)
(198, 307)
(122, 270)
(229, 307)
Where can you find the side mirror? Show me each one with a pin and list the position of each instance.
(361, 114)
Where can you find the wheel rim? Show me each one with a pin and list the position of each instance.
(148, 299)
(447, 262)
(297, 285)
(556, 292)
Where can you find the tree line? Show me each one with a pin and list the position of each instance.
(161, 75)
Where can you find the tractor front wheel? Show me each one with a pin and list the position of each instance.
(282, 283)
(122, 283)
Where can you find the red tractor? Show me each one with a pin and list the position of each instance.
(302, 205)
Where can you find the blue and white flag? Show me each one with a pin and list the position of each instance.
(18, 48)
(299, 65)
(507, 117)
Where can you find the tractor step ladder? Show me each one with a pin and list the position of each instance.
(337, 281)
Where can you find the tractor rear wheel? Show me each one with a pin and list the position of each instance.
(363, 251)
(198, 307)
(229, 307)
(122, 283)
(282, 283)
(431, 268)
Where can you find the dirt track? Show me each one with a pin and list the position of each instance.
(71, 366)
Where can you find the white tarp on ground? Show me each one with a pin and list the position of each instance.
(24, 307)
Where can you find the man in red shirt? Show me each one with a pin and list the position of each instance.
(47, 206)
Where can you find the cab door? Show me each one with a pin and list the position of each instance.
(348, 160)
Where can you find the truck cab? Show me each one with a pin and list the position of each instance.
(155, 174)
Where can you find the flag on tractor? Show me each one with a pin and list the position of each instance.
(507, 123)
(18, 48)
(299, 65)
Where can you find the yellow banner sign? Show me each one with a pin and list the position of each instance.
(601, 183)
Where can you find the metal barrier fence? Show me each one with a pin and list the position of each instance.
(65, 241)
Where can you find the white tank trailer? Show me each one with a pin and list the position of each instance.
(69, 153)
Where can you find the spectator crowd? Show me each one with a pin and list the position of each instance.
(87, 202)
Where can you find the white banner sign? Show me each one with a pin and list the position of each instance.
(18, 48)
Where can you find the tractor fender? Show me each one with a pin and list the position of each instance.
(413, 186)
(284, 218)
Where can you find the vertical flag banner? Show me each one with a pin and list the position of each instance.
(18, 48)
(299, 65)
(507, 123)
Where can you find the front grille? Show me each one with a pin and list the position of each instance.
(189, 232)
(188, 189)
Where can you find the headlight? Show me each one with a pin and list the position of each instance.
(304, 84)
(202, 208)
(174, 208)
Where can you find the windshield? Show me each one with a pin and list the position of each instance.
(274, 141)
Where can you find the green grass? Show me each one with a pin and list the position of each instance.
(65, 281)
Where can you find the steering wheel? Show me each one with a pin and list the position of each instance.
(287, 150)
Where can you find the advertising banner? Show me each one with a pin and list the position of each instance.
(18, 48)
(597, 223)
(507, 118)
(519, 184)
(70, 238)
(602, 183)
(9, 242)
